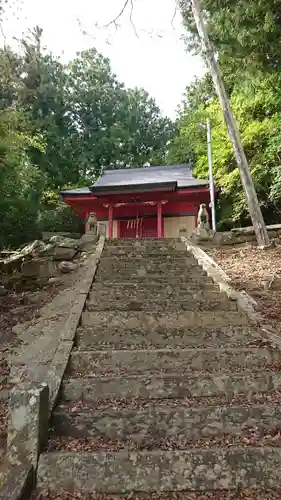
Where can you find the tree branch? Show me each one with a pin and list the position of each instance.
(174, 14)
(114, 21)
(131, 20)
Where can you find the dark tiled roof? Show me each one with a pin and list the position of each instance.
(82, 191)
(181, 175)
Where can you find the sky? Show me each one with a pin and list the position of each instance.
(148, 53)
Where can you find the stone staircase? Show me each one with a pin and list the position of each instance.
(169, 388)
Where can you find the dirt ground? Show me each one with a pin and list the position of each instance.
(22, 304)
(256, 271)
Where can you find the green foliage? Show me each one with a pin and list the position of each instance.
(21, 182)
(115, 127)
(62, 218)
(246, 36)
(246, 33)
(59, 126)
(256, 105)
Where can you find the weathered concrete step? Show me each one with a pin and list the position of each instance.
(126, 472)
(196, 283)
(146, 291)
(129, 288)
(152, 335)
(155, 421)
(144, 242)
(168, 386)
(158, 282)
(153, 274)
(173, 321)
(250, 437)
(167, 303)
(145, 251)
(151, 257)
(241, 494)
(152, 265)
(134, 361)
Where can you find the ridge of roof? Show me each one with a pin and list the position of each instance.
(181, 175)
(148, 167)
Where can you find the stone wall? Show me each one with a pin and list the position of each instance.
(238, 236)
(37, 370)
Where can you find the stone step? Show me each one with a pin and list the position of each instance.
(147, 292)
(150, 335)
(157, 282)
(150, 471)
(161, 422)
(145, 251)
(131, 288)
(172, 279)
(156, 264)
(169, 386)
(149, 243)
(174, 321)
(122, 274)
(152, 303)
(92, 363)
(150, 259)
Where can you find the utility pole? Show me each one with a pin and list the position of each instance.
(211, 177)
(245, 174)
(207, 127)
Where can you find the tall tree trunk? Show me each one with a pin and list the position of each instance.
(245, 174)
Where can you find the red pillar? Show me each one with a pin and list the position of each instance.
(110, 221)
(159, 220)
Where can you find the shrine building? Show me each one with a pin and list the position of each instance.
(146, 202)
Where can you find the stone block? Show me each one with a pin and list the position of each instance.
(154, 421)
(27, 422)
(61, 241)
(150, 471)
(42, 268)
(225, 238)
(203, 234)
(169, 386)
(88, 241)
(101, 229)
(171, 360)
(64, 253)
(172, 321)
(164, 302)
(47, 235)
(55, 374)
(16, 481)
(67, 267)
(149, 336)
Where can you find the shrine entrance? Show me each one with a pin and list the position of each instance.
(138, 227)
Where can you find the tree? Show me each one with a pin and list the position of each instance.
(115, 127)
(60, 125)
(21, 183)
(256, 105)
(246, 34)
(245, 174)
(147, 132)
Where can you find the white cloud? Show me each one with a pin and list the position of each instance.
(155, 59)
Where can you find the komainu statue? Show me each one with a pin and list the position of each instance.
(203, 218)
(92, 223)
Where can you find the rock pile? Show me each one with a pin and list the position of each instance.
(42, 260)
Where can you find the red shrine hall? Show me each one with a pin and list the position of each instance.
(146, 202)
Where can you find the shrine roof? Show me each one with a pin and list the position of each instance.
(173, 176)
